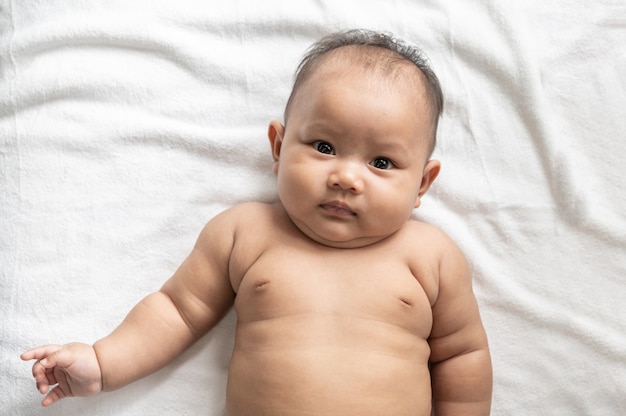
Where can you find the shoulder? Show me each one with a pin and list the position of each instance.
(242, 214)
(245, 231)
(424, 229)
(246, 221)
(435, 253)
(423, 236)
(243, 209)
(224, 226)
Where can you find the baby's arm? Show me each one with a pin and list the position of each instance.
(155, 331)
(165, 323)
(73, 366)
(461, 365)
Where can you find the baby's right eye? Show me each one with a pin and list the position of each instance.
(324, 147)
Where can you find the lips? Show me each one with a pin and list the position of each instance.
(338, 208)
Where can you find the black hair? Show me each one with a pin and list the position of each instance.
(402, 50)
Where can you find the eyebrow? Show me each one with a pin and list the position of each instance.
(321, 126)
(391, 147)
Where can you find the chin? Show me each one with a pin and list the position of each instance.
(331, 237)
(351, 242)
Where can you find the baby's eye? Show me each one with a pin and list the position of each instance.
(324, 147)
(382, 163)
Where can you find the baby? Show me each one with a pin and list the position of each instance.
(345, 304)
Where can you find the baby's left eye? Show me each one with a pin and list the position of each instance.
(382, 163)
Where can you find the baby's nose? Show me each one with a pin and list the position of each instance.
(347, 176)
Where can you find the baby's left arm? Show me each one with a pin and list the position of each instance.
(461, 364)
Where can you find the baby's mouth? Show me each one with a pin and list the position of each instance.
(338, 208)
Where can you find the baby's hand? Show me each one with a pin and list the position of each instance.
(72, 367)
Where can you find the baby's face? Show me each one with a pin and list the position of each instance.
(352, 161)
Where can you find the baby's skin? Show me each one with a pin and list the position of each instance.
(345, 304)
(325, 331)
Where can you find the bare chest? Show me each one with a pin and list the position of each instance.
(286, 282)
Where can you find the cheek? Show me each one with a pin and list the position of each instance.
(294, 178)
(394, 199)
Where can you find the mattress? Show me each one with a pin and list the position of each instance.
(126, 126)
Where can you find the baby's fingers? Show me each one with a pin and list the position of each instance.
(42, 377)
(39, 352)
(54, 396)
(72, 367)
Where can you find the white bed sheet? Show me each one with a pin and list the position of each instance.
(125, 126)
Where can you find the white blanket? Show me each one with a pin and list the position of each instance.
(126, 125)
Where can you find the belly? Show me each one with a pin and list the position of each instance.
(327, 365)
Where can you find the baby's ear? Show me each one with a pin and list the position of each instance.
(431, 171)
(275, 133)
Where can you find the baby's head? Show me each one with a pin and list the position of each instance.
(381, 52)
(353, 157)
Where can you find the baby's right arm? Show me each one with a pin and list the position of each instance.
(73, 366)
(155, 331)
